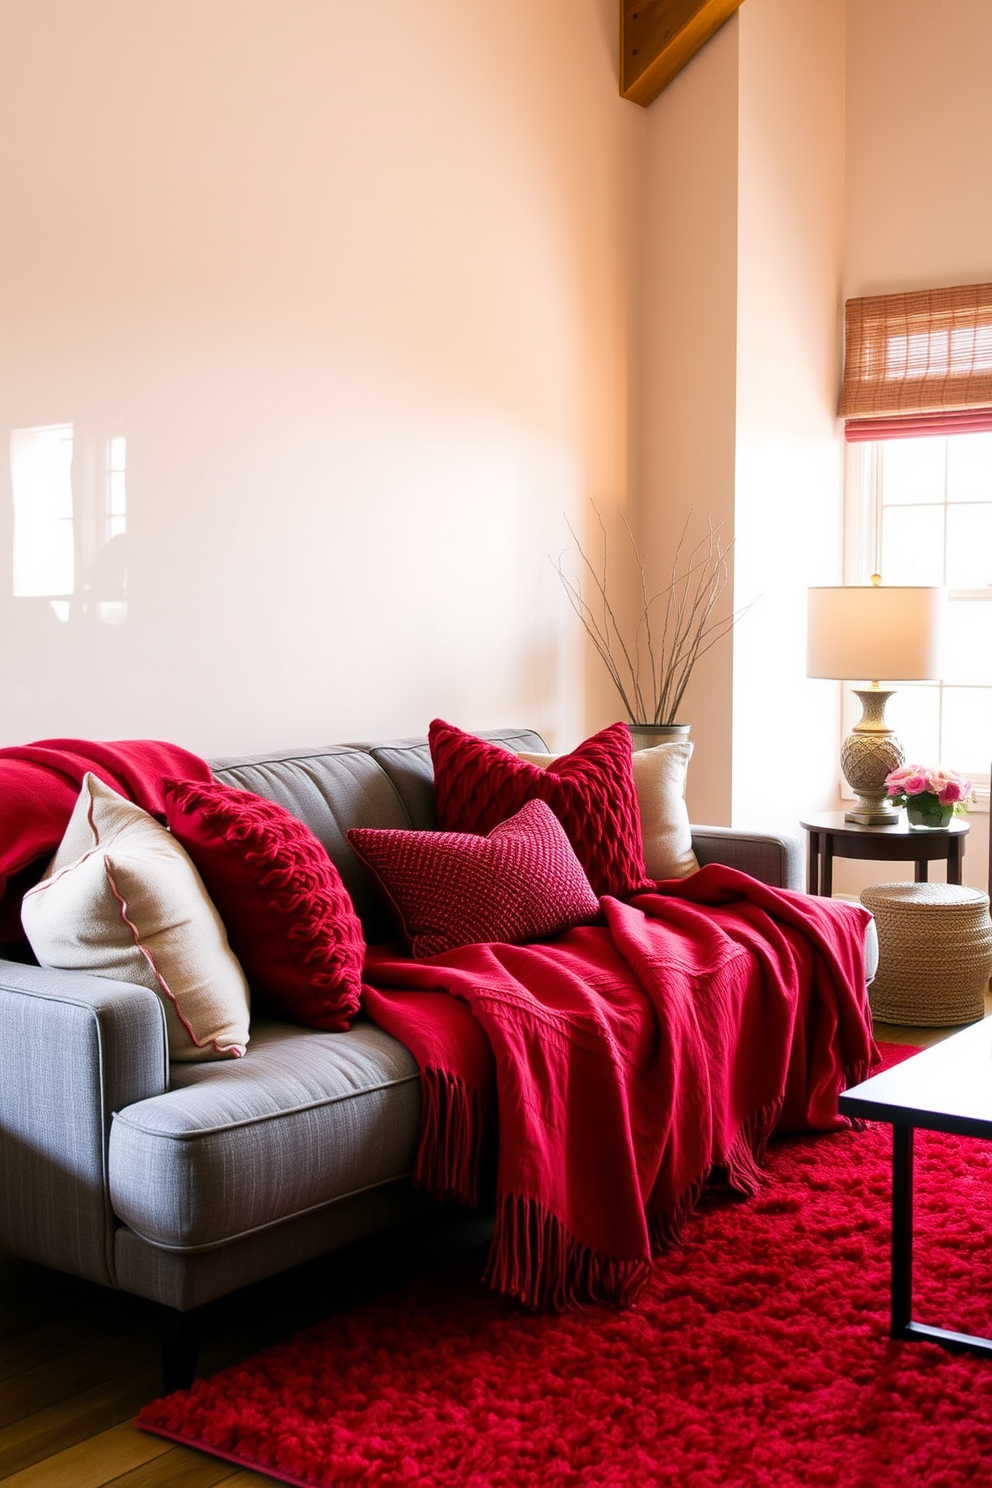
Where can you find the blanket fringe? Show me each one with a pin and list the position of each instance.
(742, 1167)
(668, 1229)
(452, 1131)
(536, 1260)
(744, 1161)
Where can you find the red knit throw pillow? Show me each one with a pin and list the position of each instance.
(446, 889)
(591, 791)
(289, 918)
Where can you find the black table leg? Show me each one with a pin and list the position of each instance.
(901, 1323)
(955, 852)
(902, 1230)
(923, 871)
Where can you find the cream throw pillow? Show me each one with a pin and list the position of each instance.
(122, 899)
(659, 780)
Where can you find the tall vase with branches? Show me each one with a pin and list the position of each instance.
(651, 660)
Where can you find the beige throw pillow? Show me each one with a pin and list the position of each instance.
(122, 899)
(659, 780)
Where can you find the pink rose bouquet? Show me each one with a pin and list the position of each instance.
(928, 787)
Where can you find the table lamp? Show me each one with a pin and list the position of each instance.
(862, 631)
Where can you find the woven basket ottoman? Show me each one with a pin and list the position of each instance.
(934, 953)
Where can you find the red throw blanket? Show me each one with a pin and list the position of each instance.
(39, 784)
(626, 1063)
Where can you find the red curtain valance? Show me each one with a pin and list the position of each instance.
(918, 425)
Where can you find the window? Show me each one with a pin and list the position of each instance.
(917, 397)
(920, 512)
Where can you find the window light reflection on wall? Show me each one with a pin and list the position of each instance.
(44, 540)
(107, 580)
(70, 521)
(116, 486)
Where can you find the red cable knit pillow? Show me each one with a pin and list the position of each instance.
(446, 889)
(289, 918)
(591, 791)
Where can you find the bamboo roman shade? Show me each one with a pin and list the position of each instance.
(918, 363)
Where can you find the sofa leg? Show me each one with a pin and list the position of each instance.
(180, 1347)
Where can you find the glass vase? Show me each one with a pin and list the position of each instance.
(926, 813)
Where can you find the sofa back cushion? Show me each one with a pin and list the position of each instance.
(408, 764)
(385, 783)
(329, 789)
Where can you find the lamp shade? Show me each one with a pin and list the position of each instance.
(874, 633)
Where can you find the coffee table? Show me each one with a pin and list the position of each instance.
(946, 1088)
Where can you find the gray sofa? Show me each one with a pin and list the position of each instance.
(182, 1184)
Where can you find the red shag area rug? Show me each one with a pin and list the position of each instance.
(758, 1357)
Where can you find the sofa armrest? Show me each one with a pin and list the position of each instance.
(73, 1049)
(775, 860)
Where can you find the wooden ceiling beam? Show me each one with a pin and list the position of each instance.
(658, 37)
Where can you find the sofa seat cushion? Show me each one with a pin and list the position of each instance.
(309, 1117)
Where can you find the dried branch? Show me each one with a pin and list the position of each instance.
(675, 626)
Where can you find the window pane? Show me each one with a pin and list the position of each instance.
(913, 542)
(969, 546)
(967, 729)
(913, 469)
(968, 641)
(914, 713)
(969, 467)
(935, 513)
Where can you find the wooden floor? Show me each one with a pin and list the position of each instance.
(77, 1361)
(897, 1033)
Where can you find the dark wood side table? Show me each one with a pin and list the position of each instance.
(946, 1088)
(830, 836)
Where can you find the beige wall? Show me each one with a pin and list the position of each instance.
(377, 296)
(788, 486)
(919, 193)
(356, 283)
(919, 145)
(744, 232)
(686, 410)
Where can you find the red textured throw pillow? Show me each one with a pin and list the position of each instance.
(591, 791)
(289, 918)
(446, 889)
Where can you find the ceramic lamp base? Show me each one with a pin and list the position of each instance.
(869, 754)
